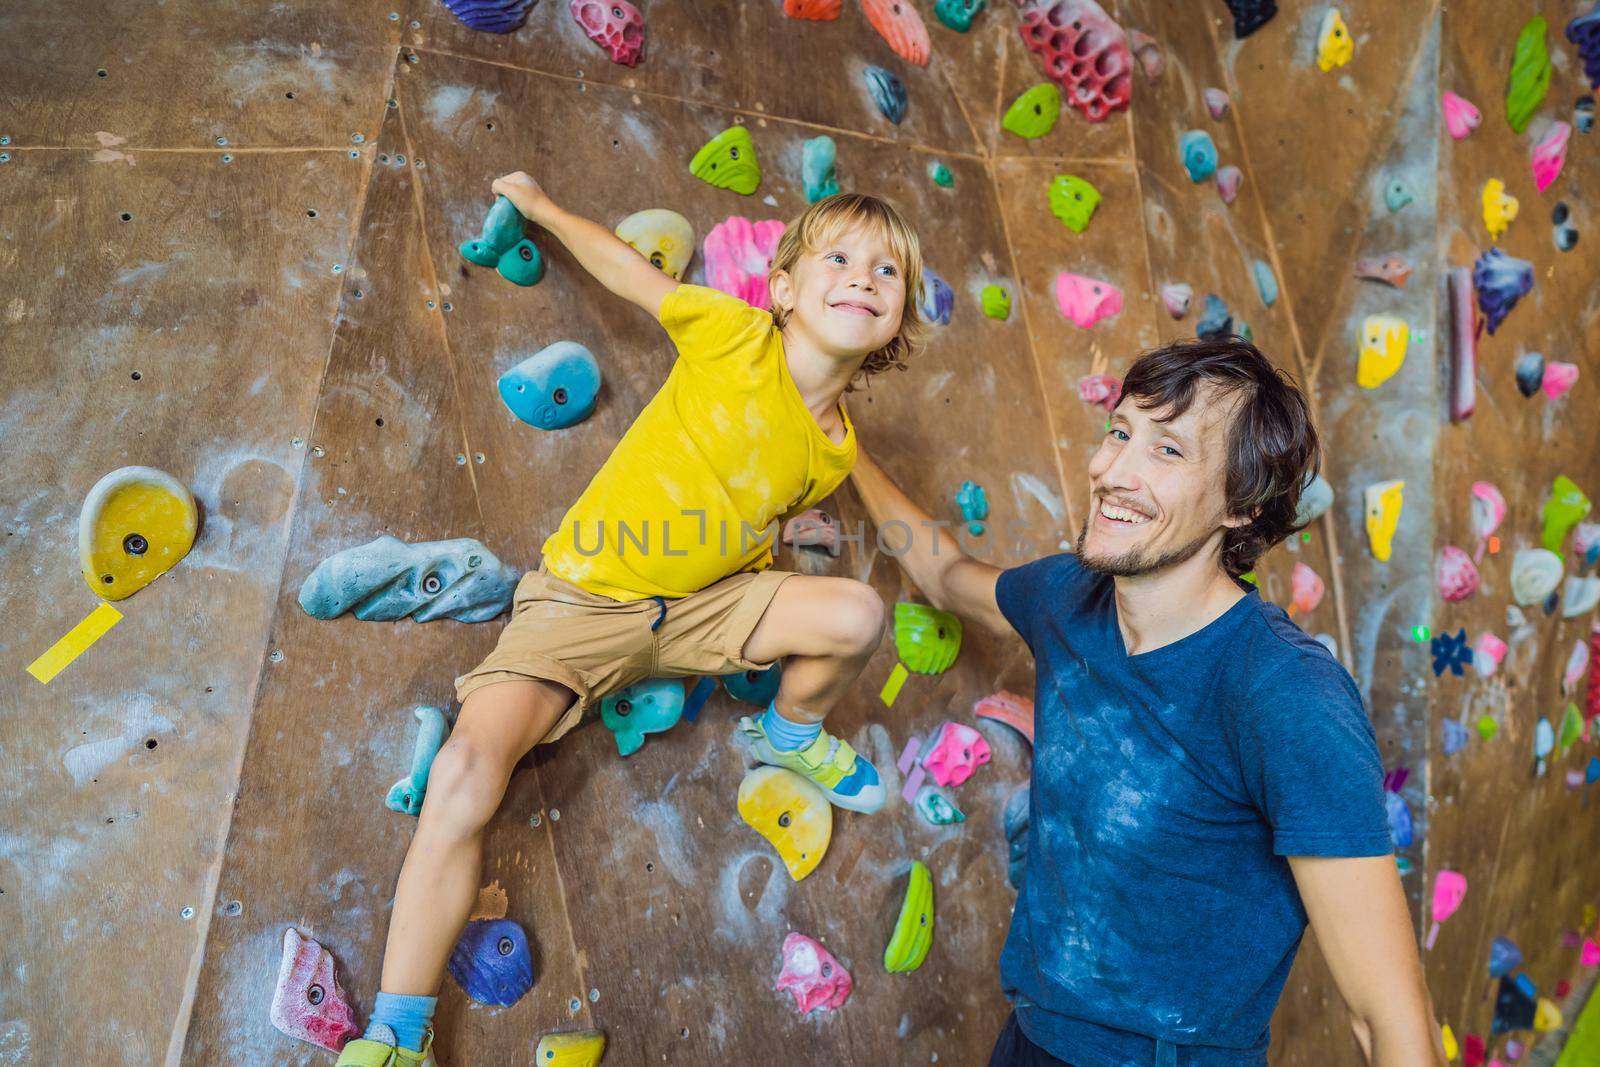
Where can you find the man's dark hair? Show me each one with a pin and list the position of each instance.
(1272, 445)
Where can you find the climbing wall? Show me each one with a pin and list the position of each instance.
(231, 235)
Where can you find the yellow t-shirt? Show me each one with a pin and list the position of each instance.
(726, 449)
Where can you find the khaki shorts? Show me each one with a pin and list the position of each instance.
(594, 645)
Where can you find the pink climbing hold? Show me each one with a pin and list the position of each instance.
(815, 10)
(1460, 116)
(817, 980)
(1391, 269)
(813, 529)
(899, 23)
(738, 254)
(956, 752)
(1100, 389)
(308, 1003)
(615, 25)
(1228, 179)
(1308, 590)
(1176, 297)
(1589, 954)
(1550, 155)
(1086, 300)
(1488, 512)
(1487, 652)
(1456, 574)
(1449, 889)
(1013, 710)
(1083, 50)
(1216, 102)
(1558, 378)
(1148, 52)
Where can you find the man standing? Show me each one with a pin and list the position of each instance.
(1205, 778)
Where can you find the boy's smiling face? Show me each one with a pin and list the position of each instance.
(846, 296)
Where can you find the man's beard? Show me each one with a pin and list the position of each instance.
(1134, 563)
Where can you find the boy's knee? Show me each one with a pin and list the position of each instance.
(465, 783)
(859, 619)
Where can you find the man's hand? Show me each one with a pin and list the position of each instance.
(525, 194)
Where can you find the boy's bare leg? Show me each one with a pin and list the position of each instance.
(825, 630)
(438, 883)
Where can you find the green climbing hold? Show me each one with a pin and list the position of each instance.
(958, 14)
(913, 931)
(1530, 74)
(996, 302)
(1073, 200)
(926, 638)
(1571, 728)
(941, 175)
(1034, 113)
(1566, 507)
(1396, 195)
(502, 246)
(728, 161)
(1487, 728)
(938, 808)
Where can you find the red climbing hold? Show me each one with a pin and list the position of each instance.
(617, 26)
(1083, 50)
(816, 10)
(899, 23)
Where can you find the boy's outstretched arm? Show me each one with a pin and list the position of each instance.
(611, 260)
(948, 577)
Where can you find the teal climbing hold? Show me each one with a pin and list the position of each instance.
(502, 246)
(818, 158)
(958, 14)
(1199, 155)
(406, 795)
(974, 505)
(1266, 282)
(646, 707)
(1396, 194)
(941, 175)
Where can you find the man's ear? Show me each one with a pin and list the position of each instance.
(1233, 522)
(782, 288)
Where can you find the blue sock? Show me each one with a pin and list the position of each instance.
(786, 735)
(408, 1017)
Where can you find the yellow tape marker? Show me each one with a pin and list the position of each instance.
(75, 643)
(891, 688)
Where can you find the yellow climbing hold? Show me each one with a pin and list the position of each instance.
(728, 161)
(663, 237)
(1547, 1016)
(1499, 207)
(1383, 502)
(575, 1048)
(136, 524)
(1383, 349)
(789, 812)
(913, 931)
(1335, 46)
(1447, 1036)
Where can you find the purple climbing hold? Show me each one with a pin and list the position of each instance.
(1501, 281)
(1584, 31)
(1455, 736)
(492, 962)
(491, 16)
(1250, 15)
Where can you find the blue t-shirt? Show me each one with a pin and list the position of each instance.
(1168, 788)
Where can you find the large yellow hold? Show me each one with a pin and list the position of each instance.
(1499, 207)
(791, 813)
(136, 524)
(663, 237)
(1383, 516)
(576, 1048)
(1383, 349)
(1335, 46)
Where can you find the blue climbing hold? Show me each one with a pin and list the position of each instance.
(492, 962)
(1216, 321)
(502, 246)
(1455, 737)
(491, 16)
(1266, 283)
(1199, 155)
(936, 300)
(406, 795)
(646, 707)
(1504, 956)
(974, 505)
(888, 92)
(387, 579)
(1584, 32)
(1401, 832)
(1501, 281)
(818, 157)
(554, 388)
(754, 687)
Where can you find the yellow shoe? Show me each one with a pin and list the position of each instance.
(364, 1053)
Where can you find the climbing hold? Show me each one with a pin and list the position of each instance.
(1450, 653)
(1147, 51)
(1176, 297)
(900, 24)
(1199, 154)
(136, 524)
(1550, 155)
(1453, 736)
(1014, 820)
(1558, 377)
(663, 237)
(1383, 349)
(1566, 507)
(1562, 232)
(791, 813)
(926, 638)
(1316, 497)
(1307, 590)
(406, 795)
(1073, 200)
(1228, 179)
(1501, 281)
(1504, 957)
(818, 158)
(955, 752)
(1499, 207)
(1487, 728)
(815, 10)
(1083, 50)
(574, 1048)
(809, 972)
(491, 16)
(554, 388)
(1396, 194)
(1547, 1016)
(1584, 32)
(387, 579)
(1535, 574)
(1530, 373)
(1216, 102)
(913, 930)
(1460, 116)
(1101, 389)
(1530, 74)
(1514, 1009)
(1383, 503)
(1544, 741)
(1086, 300)
(974, 505)
(941, 176)
(728, 161)
(1488, 511)
(1583, 114)
(1402, 832)
(937, 807)
(1266, 283)
(888, 92)
(1391, 269)
(1580, 596)
(492, 962)
(501, 245)
(1463, 345)
(1449, 890)
(1577, 663)
(308, 1004)
(1009, 708)
(757, 687)
(1216, 320)
(646, 707)
(615, 25)
(935, 299)
(1487, 654)
(1586, 543)
(958, 14)
(738, 254)
(1335, 46)
(996, 302)
(1034, 113)
(1456, 574)
(1250, 15)
(813, 529)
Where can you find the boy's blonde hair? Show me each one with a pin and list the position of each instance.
(820, 222)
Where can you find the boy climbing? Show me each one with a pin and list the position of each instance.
(661, 566)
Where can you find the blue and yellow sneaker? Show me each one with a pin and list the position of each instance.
(847, 779)
(364, 1053)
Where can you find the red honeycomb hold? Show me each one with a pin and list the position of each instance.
(1083, 50)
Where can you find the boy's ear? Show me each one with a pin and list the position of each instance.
(782, 288)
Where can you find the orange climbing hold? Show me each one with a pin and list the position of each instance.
(899, 23)
(816, 10)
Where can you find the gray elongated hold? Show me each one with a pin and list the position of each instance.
(387, 579)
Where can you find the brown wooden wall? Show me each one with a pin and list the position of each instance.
(297, 177)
